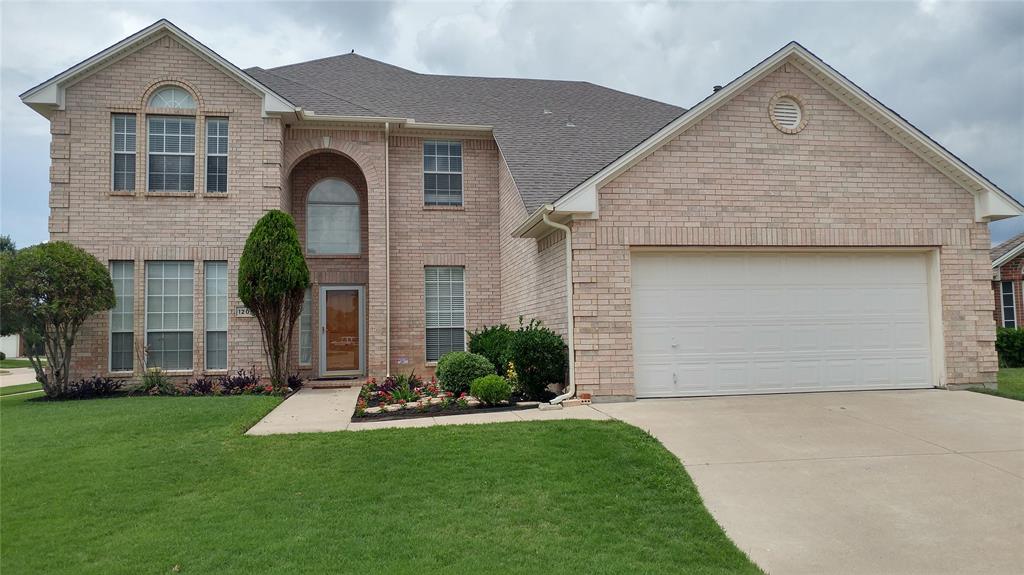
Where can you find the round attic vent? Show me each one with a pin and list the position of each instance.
(787, 113)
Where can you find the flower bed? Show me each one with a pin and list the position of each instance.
(404, 396)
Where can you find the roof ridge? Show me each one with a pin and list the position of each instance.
(350, 54)
(318, 89)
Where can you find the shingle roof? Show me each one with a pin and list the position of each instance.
(547, 157)
(1005, 247)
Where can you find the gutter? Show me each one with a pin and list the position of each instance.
(571, 389)
(387, 248)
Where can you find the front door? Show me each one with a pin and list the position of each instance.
(341, 330)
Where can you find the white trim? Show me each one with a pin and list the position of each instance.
(322, 340)
(991, 203)
(436, 172)
(50, 94)
(1016, 251)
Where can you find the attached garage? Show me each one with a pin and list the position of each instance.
(746, 322)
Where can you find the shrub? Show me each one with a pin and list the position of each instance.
(458, 369)
(3, 356)
(272, 281)
(493, 342)
(156, 382)
(47, 291)
(1010, 346)
(491, 389)
(539, 357)
(241, 382)
(295, 382)
(93, 387)
(202, 386)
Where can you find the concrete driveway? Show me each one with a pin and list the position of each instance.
(925, 482)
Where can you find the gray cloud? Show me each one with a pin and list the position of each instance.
(956, 70)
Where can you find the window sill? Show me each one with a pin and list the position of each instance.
(218, 195)
(152, 194)
(122, 193)
(120, 374)
(215, 372)
(177, 372)
(334, 256)
(461, 208)
(430, 364)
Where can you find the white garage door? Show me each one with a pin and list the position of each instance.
(717, 323)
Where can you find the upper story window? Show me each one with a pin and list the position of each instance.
(172, 97)
(442, 173)
(172, 153)
(332, 218)
(217, 155)
(124, 151)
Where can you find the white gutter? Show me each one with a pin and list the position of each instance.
(387, 248)
(571, 389)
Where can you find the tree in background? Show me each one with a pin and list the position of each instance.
(272, 281)
(7, 245)
(47, 291)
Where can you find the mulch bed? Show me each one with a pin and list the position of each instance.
(436, 410)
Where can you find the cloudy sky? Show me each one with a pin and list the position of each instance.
(956, 70)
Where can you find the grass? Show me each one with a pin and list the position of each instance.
(21, 388)
(13, 363)
(141, 485)
(1010, 384)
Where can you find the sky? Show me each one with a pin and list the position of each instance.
(955, 70)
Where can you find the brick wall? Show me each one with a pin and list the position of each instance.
(532, 271)
(140, 226)
(734, 180)
(1010, 271)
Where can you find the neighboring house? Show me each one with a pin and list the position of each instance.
(10, 345)
(787, 233)
(1006, 281)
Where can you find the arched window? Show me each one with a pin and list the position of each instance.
(172, 97)
(332, 218)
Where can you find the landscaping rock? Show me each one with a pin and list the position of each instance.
(392, 407)
(371, 410)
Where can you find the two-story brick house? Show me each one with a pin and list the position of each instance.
(788, 233)
(1007, 273)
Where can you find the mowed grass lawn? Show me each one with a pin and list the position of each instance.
(20, 388)
(1011, 384)
(151, 485)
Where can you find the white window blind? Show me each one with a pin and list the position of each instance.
(172, 154)
(306, 330)
(122, 317)
(216, 314)
(169, 286)
(446, 310)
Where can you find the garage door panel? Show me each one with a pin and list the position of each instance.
(764, 323)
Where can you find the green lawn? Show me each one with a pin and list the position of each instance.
(13, 363)
(141, 485)
(20, 388)
(1011, 384)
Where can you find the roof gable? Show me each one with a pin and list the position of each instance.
(1007, 250)
(49, 95)
(991, 203)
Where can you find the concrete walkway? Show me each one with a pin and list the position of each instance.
(317, 410)
(908, 482)
(17, 376)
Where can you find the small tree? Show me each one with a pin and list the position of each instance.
(272, 280)
(7, 245)
(47, 291)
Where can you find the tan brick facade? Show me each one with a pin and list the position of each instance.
(734, 180)
(731, 180)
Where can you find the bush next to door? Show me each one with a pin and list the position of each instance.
(456, 370)
(493, 342)
(1010, 346)
(272, 281)
(47, 291)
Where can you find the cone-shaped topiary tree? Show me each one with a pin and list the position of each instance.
(272, 280)
(46, 292)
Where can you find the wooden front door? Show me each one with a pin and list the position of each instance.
(341, 330)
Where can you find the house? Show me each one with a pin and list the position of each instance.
(787, 233)
(1006, 287)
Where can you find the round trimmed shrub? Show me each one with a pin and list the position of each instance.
(491, 389)
(456, 370)
(540, 359)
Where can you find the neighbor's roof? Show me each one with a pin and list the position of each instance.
(1007, 250)
(553, 134)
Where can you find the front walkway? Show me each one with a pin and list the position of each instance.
(315, 410)
(928, 481)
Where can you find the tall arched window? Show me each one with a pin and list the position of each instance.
(332, 218)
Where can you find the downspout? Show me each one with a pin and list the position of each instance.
(571, 389)
(387, 248)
